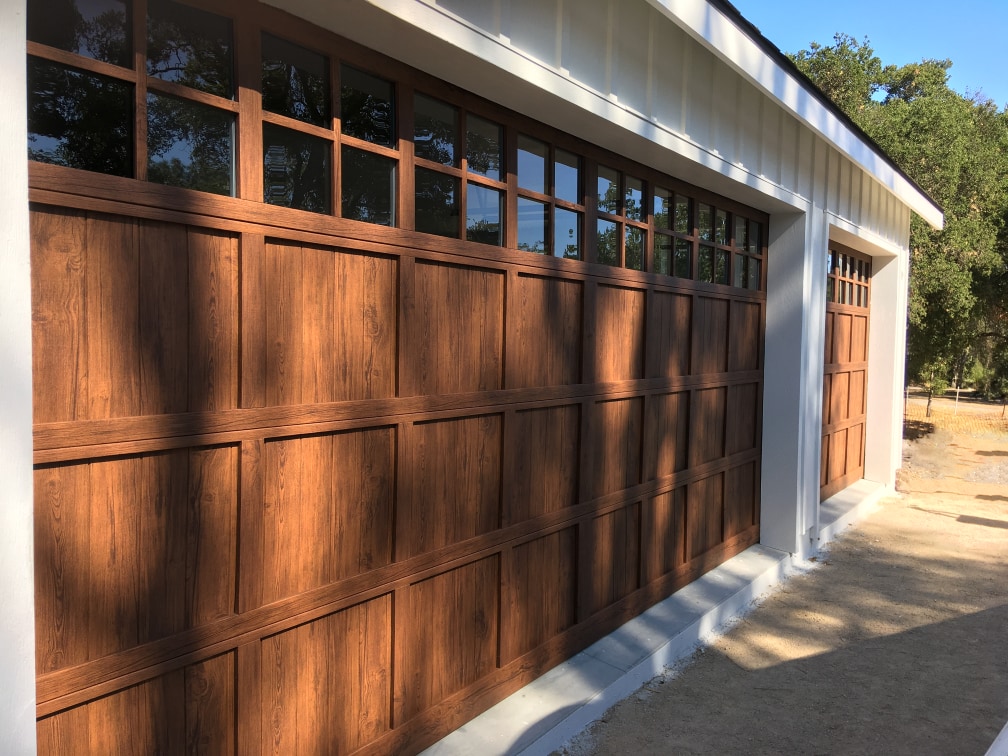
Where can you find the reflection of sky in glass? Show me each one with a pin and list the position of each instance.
(608, 243)
(662, 207)
(634, 248)
(531, 225)
(531, 164)
(435, 130)
(566, 177)
(93, 28)
(197, 142)
(190, 46)
(368, 187)
(566, 233)
(683, 263)
(483, 214)
(663, 254)
(634, 198)
(483, 147)
(608, 190)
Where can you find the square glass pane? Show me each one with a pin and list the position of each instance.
(705, 264)
(721, 267)
(567, 177)
(662, 208)
(296, 170)
(754, 241)
(190, 145)
(190, 46)
(533, 220)
(368, 186)
(532, 156)
(705, 222)
(683, 259)
(484, 211)
(367, 107)
(741, 232)
(435, 130)
(741, 277)
(662, 254)
(683, 224)
(829, 289)
(295, 81)
(634, 248)
(98, 29)
(484, 147)
(633, 199)
(608, 190)
(608, 241)
(566, 234)
(80, 120)
(721, 227)
(437, 203)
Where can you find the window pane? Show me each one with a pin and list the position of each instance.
(190, 46)
(189, 145)
(608, 190)
(531, 164)
(741, 276)
(721, 267)
(437, 203)
(532, 225)
(705, 222)
(608, 242)
(368, 186)
(683, 258)
(97, 29)
(295, 81)
(483, 215)
(367, 107)
(79, 120)
(484, 141)
(435, 130)
(567, 177)
(741, 226)
(829, 290)
(633, 199)
(705, 264)
(663, 254)
(634, 248)
(683, 224)
(296, 169)
(721, 227)
(662, 208)
(754, 238)
(566, 234)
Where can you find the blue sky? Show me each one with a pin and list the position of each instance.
(971, 33)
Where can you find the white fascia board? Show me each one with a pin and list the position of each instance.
(717, 33)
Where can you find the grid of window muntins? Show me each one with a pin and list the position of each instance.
(161, 101)
(848, 279)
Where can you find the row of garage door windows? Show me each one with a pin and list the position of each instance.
(83, 113)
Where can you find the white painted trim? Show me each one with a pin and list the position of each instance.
(716, 32)
(17, 630)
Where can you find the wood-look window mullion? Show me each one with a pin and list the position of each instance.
(73, 60)
(139, 30)
(248, 76)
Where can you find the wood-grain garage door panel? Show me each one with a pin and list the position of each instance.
(543, 450)
(544, 345)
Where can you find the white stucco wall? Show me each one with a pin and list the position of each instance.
(17, 628)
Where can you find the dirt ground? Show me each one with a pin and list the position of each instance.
(895, 643)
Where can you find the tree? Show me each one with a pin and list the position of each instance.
(955, 147)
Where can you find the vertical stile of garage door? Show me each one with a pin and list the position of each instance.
(845, 374)
(306, 484)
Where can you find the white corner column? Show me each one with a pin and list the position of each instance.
(17, 631)
(793, 374)
(886, 367)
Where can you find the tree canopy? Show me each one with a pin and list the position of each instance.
(955, 146)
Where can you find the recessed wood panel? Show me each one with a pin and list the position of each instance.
(842, 337)
(666, 434)
(710, 336)
(704, 515)
(445, 635)
(541, 600)
(839, 409)
(744, 336)
(455, 473)
(616, 431)
(663, 535)
(859, 338)
(335, 493)
(456, 331)
(707, 425)
(619, 350)
(544, 345)
(326, 685)
(743, 417)
(132, 549)
(668, 336)
(189, 710)
(740, 499)
(543, 447)
(614, 554)
(858, 397)
(330, 325)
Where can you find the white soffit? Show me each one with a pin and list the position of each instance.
(719, 34)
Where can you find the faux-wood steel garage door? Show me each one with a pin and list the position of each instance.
(845, 370)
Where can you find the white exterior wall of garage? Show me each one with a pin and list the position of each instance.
(679, 85)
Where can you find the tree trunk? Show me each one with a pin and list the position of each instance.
(927, 412)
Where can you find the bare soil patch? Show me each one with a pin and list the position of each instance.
(896, 643)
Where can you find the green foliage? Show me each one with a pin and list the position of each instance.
(956, 148)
